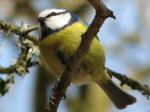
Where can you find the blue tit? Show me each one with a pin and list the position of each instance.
(61, 32)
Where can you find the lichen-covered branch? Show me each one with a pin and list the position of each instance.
(59, 90)
(135, 85)
(20, 31)
(20, 66)
(26, 44)
(4, 84)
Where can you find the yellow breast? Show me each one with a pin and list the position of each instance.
(67, 40)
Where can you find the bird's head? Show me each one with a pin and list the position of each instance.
(54, 19)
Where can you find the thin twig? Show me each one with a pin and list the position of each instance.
(23, 62)
(135, 85)
(20, 31)
(20, 66)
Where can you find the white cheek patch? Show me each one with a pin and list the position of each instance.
(59, 21)
(48, 11)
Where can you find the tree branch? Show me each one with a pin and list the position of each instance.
(23, 62)
(27, 46)
(20, 67)
(60, 88)
(135, 85)
(20, 31)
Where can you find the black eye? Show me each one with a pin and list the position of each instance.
(54, 14)
(51, 14)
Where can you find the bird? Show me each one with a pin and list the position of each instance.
(61, 32)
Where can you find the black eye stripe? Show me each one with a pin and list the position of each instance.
(55, 14)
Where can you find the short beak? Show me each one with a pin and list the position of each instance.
(40, 19)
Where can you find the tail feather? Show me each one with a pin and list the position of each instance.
(120, 98)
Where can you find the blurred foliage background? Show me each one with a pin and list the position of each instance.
(127, 44)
